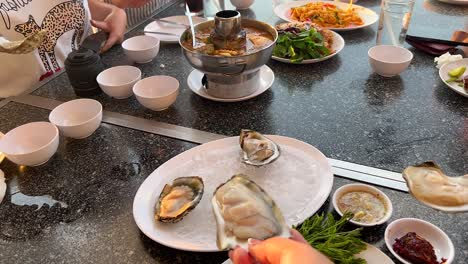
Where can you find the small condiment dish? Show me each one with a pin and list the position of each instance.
(118, 81)
(388, 60)
(157, 92)
(357, 187)
(441, 243)
(242, 4)
(141, 49)
(77, 118)
(31, 144)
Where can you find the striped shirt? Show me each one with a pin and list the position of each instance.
(137, 15)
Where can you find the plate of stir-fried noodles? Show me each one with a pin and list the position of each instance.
(333, 15)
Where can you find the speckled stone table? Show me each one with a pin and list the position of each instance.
(95, 181)
(338, 105)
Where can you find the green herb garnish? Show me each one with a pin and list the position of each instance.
(327, 235)
(298, 45)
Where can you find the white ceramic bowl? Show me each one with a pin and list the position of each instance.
(357, 187)
(141, 49)
(118, 81)
(442, 244)
(388, 60)
(31, 144)
(242, 4)
(157, 92)
(77, 118)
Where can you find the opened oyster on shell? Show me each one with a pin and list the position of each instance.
(244, 210)
(428, 183)
(257, 149)
(178, 199)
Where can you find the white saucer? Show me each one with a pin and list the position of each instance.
(169, 28)
(267, 77)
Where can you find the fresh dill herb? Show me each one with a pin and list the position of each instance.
(327, 235)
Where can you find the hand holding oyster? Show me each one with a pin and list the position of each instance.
(244, 210)
(428, 183)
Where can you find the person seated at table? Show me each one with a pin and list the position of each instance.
(279, 250)
(65, 25)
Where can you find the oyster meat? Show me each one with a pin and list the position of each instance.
(257, 149)
(244, 210)
(430, 185)
(178, 199)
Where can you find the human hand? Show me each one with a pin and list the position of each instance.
(115, 24)
(129, 3)
(279, 250)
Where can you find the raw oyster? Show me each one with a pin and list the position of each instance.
(431, 186)
(244, 210)
(257, 149)
(178, 199)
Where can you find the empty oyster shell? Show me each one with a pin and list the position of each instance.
(431, 186)
(257, 149)
(244, 210)
(178, 199)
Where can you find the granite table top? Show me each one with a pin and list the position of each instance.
(338, 105)
(77, 208)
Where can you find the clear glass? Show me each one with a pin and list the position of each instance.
(395, 17)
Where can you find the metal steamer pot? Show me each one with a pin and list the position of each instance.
(230, 77)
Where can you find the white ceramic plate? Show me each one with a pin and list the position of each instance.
(169, 28)
(300, 181)
(368, 16)
(372, 255)
(455, 2)
(443, 73)
(338, 45)
(442, 244)
(267, 77)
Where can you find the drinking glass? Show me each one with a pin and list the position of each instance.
(195, 6)
(395, 16)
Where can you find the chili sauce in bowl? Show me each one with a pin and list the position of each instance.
(369, 205)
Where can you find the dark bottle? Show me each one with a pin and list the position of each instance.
(82, 68)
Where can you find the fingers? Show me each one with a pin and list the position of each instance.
(113, 39)
(280, 250)
(101, 25)
(296, 236)
(240, 256)
(269, 251)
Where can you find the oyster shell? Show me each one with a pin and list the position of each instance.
(244, 210)
(431, 186)
(178, 199)
(257, 149)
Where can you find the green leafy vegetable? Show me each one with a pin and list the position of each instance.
(298, 45)
(327, 235)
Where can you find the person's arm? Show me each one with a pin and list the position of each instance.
(129, 3)
(109, 18)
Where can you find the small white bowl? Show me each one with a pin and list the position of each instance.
(388, 60)
(242, 4)
(157, 92)
(442, 244)
(31, 144)
(141, 49)
(357, 187)
(77, 118)
(118, 81)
